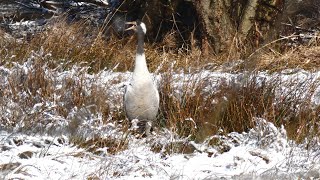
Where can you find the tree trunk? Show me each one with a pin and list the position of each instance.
(230, 25)
(216, 23)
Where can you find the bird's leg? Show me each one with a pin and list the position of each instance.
(134, 125)
(148, 128)
(140, 128)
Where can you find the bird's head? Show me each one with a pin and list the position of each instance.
(137, 26)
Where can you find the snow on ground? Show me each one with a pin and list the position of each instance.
(262, 153)
(36, 157)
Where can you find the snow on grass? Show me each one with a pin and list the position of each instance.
(42, 157)
(263, 152)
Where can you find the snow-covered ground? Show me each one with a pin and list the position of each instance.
(262, 153)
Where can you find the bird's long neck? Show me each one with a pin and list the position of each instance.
(140, 48)
(140, 62)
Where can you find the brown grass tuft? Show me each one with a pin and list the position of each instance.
(95, 144)
(304, 57)
(233, 107)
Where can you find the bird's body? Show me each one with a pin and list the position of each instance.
(141, 99)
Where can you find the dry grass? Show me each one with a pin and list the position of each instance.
(303, 57)
(233, 107)
(201, 114)
(71, 44)
(96, 144)
(78, 43)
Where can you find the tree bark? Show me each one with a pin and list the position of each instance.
(246, 22)
(250, 22)
(216, 22)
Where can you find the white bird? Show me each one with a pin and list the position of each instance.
(141, 98)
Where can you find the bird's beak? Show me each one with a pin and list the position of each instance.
(134, 24)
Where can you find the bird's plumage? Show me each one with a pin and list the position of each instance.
(141, 99)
